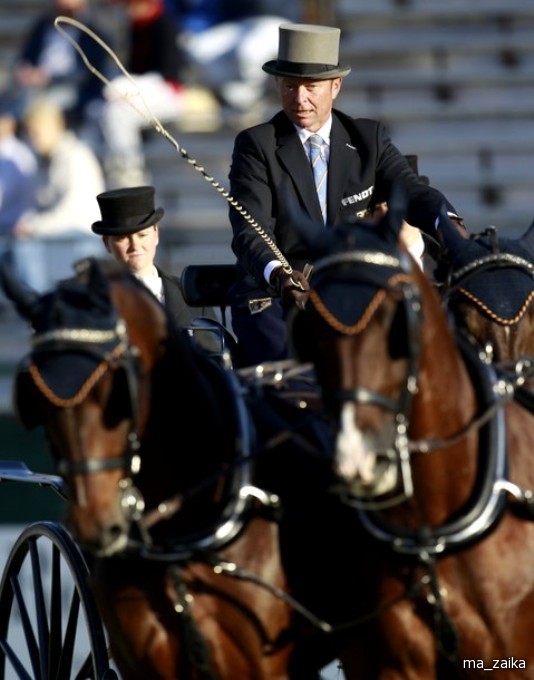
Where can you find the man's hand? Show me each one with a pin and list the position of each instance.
(292, 288)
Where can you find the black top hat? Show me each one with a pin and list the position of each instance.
(125, 211)
(307, 51)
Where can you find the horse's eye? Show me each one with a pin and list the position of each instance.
(398, 344)
(26, 400)
(119, 400)
(302, 336)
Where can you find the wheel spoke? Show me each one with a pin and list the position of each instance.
(29, 634)
(69, 642)
(56, 618)
(14, 661)
(41, 613)
(87, 670)
(58, 643)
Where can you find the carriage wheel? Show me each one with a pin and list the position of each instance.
(49, 626)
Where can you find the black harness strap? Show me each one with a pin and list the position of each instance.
(196, 649)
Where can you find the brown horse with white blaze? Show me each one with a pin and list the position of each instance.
(435, 456)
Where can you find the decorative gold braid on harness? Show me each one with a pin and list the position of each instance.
(86, 335)
(358, 327)
(88, 385)
(495, 317)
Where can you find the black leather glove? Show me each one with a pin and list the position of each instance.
(292, 288)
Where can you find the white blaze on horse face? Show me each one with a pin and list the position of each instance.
(353, 459)
(356, 459)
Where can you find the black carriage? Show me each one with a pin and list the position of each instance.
(49, 623)
(49, 626)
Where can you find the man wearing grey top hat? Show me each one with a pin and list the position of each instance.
(271, 175)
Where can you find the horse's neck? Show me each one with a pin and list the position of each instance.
(445, 381)
(187, 422)
(507, 341)
(524, 334)
(445, 403)
(520, 434)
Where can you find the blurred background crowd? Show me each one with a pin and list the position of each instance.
(453, 81)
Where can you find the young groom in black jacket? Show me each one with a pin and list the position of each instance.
(130, 231)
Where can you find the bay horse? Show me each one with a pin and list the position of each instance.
(183, 547)
(434, 455)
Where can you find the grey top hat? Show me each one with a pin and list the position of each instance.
(307, 51)
(125, 211)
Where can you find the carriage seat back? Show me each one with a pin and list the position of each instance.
(207, 285)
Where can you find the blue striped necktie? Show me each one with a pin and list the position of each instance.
(320, 170)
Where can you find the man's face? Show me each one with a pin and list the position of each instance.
(70, 7)
(137, 251)
(308, 103)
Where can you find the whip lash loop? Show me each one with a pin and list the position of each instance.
(156, 124)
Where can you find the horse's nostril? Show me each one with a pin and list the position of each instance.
(116, 531)
(111, 540)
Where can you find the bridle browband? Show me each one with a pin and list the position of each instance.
(87, 336)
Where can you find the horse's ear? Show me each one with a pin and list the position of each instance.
(97, 272)
(23, 297)
(449, 234)
(98, 281)
(24, 397)
(391, 223)
(527, 240)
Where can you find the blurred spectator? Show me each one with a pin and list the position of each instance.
(156, 65)
(49, 238)
(227, 41)
(18, 174)
(49, 64)
(18, 168)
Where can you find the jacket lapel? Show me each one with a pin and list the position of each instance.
(174, 301)
(343, 159)
(293, 158)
